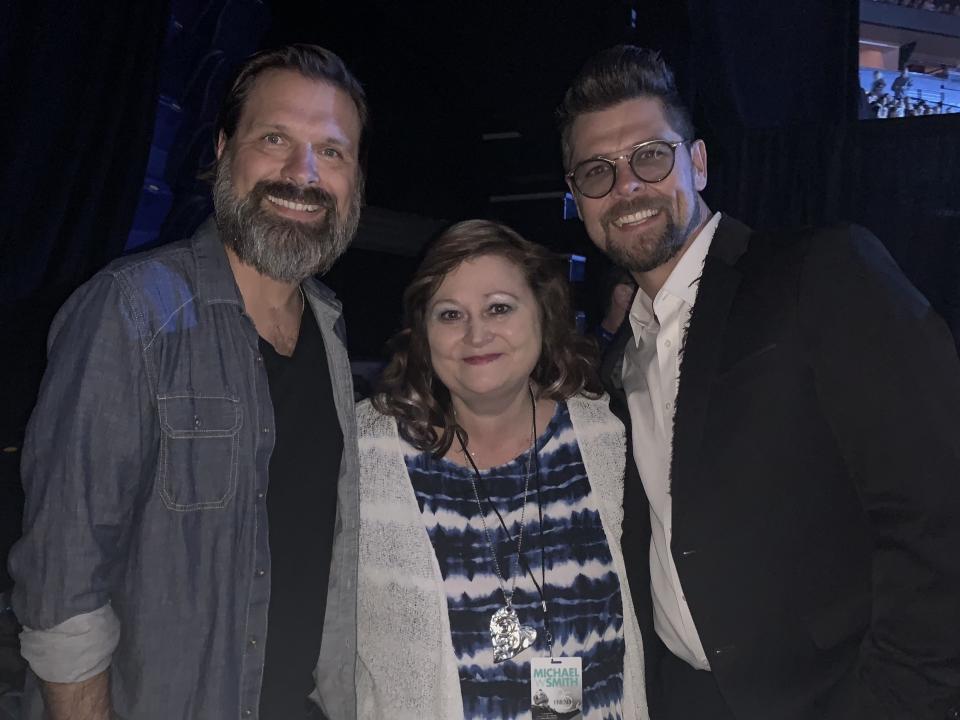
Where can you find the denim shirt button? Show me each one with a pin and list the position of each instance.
(260, 572)
(247, 712)
(259, 494)
(266, 429)
(253, 642)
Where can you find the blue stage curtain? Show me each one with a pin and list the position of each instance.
(78, 93)
(899, 178)
(79, 96)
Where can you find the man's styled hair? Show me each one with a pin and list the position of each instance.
(617, 74)
(311, 61)
(409, 389)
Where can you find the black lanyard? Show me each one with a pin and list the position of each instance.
(542, 585)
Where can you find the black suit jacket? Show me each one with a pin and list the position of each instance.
(815, 481)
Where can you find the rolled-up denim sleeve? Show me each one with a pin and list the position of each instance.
(85, 460)
(75, 650)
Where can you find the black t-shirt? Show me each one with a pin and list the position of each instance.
(301, 510)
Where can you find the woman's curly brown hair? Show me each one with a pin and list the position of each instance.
(409, 389)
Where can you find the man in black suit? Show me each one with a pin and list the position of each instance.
(792, 511)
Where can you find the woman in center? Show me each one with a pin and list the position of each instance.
(491, 494)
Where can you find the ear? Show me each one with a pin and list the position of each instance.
(576, 196)
(698, 155)
(221, 144)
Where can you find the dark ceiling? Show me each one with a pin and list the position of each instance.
(441, 74)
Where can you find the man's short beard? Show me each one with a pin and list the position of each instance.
(642, 257)
(285, 250)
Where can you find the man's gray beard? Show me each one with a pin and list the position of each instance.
(285, 250)
(646, 257)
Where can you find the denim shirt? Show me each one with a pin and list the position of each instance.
(145, 470)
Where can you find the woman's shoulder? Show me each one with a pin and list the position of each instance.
(373, 423)
(588, 408)
(593, 415)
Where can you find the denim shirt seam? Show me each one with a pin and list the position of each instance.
(130, 297)
(166, 320)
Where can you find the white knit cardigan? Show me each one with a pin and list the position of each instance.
(407, 669)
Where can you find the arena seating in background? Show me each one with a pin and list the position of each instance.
(944, 6)
(924, 95)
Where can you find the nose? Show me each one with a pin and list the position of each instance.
(626, 183)
(477, 332)
(301, 165)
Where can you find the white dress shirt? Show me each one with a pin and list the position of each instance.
(651, 374)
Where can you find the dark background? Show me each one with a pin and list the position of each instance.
(91, 163)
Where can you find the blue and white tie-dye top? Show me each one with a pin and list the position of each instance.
(582, 587)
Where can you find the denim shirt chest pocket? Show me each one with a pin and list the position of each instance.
(199, 448)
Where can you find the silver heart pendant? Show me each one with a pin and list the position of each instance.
(510, 638)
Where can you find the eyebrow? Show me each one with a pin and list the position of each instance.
(606, 156)
(436, 302)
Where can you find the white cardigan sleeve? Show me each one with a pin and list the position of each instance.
(602, 442)
(407, 668)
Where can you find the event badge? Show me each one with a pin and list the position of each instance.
(556, 688)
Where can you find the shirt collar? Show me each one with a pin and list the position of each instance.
(682, 283)
(215, 281)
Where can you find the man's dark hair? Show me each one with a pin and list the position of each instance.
(311, 61)
(621, 73)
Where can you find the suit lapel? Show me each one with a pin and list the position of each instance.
(635, 538)
(701, 351)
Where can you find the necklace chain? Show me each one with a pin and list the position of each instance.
(515, 561)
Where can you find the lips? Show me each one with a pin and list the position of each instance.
(291, 205)
(481, 359)
(292, 200)
(627, 214)
(634, 218)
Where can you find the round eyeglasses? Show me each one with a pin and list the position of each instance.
(650, 161)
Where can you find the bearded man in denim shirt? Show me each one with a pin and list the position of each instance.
(190, 467)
